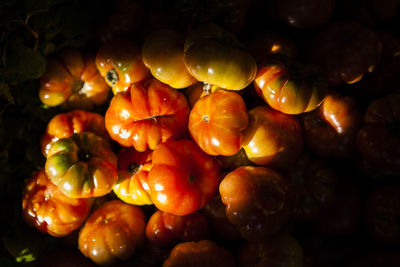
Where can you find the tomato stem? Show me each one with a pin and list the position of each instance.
(112, 77)
(207, 88)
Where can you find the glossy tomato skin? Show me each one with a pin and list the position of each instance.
(276, 251)
(378, 141)
(345, 50)
(45, 207)
(162, 53)
(289, 91)
(216, 123)
(305, 13)
(383, 213)
(147, 115)
(198, 254)
(113, 232)
(120, 63)
(257, 201)
(72, 80)
(82, 165)
(330, 131)
(210, 58)
(183, 178)
(133, 168)
(272, 138)
(312, 187)
(165, 229)
(66, 124)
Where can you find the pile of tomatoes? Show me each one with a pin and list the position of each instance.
(222, 146)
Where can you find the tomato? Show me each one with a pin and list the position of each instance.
(216, 57)
(113, 232)
(378, 141)
(330, 131)
(345, 50)
(383, 213)
(66, 124)
(162, 53)
(147, 115)
(120, 63)
(216, 123)
(124, 21)
(275, 252)
(257, 201)
(272, 138)
(199, 254)
(133, 169)
(198, 90)
(45, 207)
(289, 88)
(72, 80)
(234, 161)
(82, 165)
(305, 13)
(183, 178)
(312, 185)
(215, 212)
(164, 229)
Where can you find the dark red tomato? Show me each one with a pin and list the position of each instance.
(165, 229)
(305, 13)
(199, 254)
(345, 50)
(330, 131)
(382, 217)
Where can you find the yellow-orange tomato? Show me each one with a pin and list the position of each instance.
(162, 53)
(214, 56)
(45, 207)
(272, 138)
(289, 92)
(147, 115)
(133, 168)
(66, 124)
(120, 63)
(72, 80)
(112, 232)
(216, 123)
(197, 91)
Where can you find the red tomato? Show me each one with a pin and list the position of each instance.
(112, 232)
(164, 229)
(183, 178)
(216, 123)
(147, 115)
(45, 207)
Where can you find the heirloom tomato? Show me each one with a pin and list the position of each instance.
(133, 169)
(147, 115)
(45, 207)
(257, 201)
(112, 232)
(288, 87)
(216, 57)
(199, 254)
(330, 131)
(378, 141)
(82, 165)
(66, 124)
(312, 186)
(162, 53)
(72, 80)
(345, 50)
(279, 251)
(120, 63)
(197, 91)
(272, 138)
(382, 214)
(183, 178)
(305, 13)
(234, 161)
(216, 123)
(165, 229)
